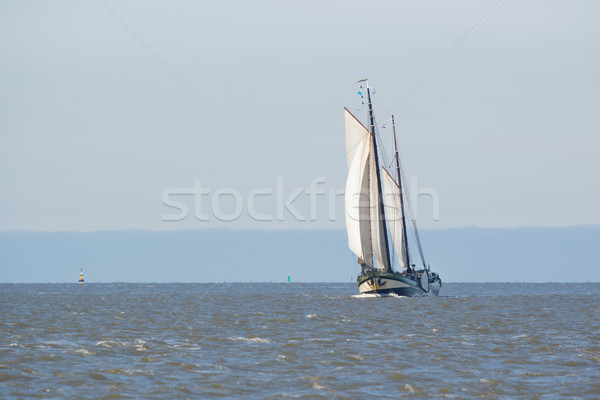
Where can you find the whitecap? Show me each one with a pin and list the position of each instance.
(108, 343)
(84, 352)
(376, 295)
(356, 357)
(365, 295)
(249, 340)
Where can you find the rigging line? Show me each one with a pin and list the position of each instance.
(417, 237)
(443, 57)
(176, 75)
(439, 338)
(391, 162)
(352, 257)
(380, 106)
(128, 372)
(410, 211)
(415, 231)
(381, 146)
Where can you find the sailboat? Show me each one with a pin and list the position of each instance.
(375, 216)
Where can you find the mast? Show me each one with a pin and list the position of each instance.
(405, 238)
(381, 205)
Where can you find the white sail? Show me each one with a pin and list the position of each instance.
(425, 281)
(380, 250)
(355, 134)
(358, 205)
(393, 213)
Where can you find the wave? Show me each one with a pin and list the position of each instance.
(249, 340)
(374, 295)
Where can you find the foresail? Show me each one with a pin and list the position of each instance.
(393, 214)
(358, 205)
(380, 250)
(355, 134)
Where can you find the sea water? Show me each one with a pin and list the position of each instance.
(294, 340)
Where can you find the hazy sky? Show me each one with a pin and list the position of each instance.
(105, 106)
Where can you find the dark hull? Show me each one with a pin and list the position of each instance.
(402, 284)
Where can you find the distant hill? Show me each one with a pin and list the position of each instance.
(459, 255)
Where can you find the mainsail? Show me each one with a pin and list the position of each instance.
(358, 205)
(364, 214)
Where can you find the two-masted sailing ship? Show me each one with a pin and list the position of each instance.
(375, 216)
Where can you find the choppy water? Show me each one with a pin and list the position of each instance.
(298, 341)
